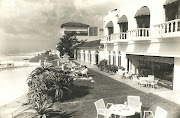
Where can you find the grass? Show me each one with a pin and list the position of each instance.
(85, 93)
(114, 92)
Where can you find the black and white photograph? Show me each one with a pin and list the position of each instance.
(89, 58)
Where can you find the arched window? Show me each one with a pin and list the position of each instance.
(119, 58)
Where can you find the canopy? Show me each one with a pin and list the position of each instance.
(169, 60)
(169, 2)
(122, 19)
(142, 11)
(110, 24)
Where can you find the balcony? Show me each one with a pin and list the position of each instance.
(139, 34)
(168, 29)
(114, 37)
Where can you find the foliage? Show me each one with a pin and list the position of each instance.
(121, 67)
(48, 83)
(113, 68)
(108, 68)
(68, 44)
(102, 65)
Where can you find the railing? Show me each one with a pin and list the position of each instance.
(140, 32)
(168, 27)
(117, 36)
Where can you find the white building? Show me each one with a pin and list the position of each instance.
(81, 31)
(143, 37)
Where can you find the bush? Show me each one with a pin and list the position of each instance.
(48, 83)
(102, 65)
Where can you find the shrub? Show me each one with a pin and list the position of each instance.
(48, 83)
(102, 65)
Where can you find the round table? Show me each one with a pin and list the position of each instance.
(122, 110)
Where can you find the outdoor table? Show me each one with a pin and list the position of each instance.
(145, 79)
(122, 110)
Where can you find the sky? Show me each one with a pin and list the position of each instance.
(34, 25)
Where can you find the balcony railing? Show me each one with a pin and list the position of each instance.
(172, 26)
(140, 32)
(117, 36)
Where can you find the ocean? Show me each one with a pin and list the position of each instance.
(13, 80)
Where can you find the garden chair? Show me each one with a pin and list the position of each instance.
(128, 75)
(144, 83)
(135, 103)
(102, 109)
(135, 79)
(154, 84)
(159, 113)
(151, 77)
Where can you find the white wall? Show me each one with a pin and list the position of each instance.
(176, 80)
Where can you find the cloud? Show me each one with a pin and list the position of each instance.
(38, 21)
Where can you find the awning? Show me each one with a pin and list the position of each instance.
(122, 19)
(142, 11)
(169, 60)
(169, 2)
(110, 24)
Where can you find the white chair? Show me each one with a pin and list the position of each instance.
(135, 79)
(144, 83)
(128, 75)
(135, 103)
(154, 84)
(159, 113)
(85, 72)
(102, 109)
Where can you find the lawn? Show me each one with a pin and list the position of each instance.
(81, 105)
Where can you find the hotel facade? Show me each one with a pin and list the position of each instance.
(143, 37)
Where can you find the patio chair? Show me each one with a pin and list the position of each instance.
(134, 101)
(159, 113)
(119, 74)
(102, 109)
(144, 83)
(154, 84)
(128, 75)
(135, 79)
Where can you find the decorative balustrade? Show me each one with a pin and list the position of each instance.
(117, 36)
(168, 27)
(140, 32)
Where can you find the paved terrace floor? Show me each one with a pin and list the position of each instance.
(173, 96)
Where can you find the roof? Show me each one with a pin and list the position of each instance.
(142, 11)
(109, 24)
(74, 24)
(122, 19)
(90, 44)
(169, 2)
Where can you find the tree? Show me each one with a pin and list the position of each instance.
(68, 44)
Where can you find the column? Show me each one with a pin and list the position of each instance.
(176, 80)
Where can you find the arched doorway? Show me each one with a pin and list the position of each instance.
(96, 57)
(84, 55)
(123, 25)
(89, 56)
(119, 58)
(143, 17)
(114, 58)
(110, 28)
(109, 57)
(172, 12)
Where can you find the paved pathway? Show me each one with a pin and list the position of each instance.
(173, 96)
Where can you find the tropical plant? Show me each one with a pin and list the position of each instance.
(48, 83)
(102, 65)
(68, 44)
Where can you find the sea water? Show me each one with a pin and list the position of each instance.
(13, 83)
